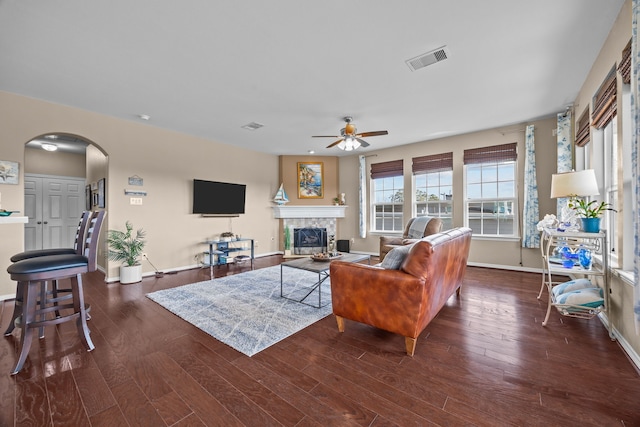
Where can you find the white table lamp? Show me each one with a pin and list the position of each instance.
(571, 185)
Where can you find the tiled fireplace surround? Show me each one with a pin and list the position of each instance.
(310, 217)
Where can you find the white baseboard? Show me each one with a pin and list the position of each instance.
(509, 267)
(7, 297)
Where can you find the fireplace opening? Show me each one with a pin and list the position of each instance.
(308, 241)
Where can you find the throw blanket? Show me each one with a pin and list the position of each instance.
(416, 229)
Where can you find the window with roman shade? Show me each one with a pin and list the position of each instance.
(433, 187)
(387, 187)
(604, 101)
(582, 133)
(491, 190)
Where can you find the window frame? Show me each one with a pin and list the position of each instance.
(428, 168)
(384, 174)
(493, 157)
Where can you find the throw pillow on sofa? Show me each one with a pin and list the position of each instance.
(395, 257)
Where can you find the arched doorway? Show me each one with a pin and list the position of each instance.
(59, 171)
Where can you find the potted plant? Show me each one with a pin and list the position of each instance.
(127, 247)
(227, 236)
(287, 242)
(590, 213)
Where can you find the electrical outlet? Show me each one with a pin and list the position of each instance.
(135, 200)
(353, 240)
(255, 243)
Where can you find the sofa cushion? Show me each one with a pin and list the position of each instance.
(396, 256)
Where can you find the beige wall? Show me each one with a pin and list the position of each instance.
(289, 177)
(505, 253)
(167, 161)
(39, 161)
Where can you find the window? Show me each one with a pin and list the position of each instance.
(387, 186)
(433, 187)
(490, 186)
(609, 155)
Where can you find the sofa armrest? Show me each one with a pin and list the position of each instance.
(387, 243)
(409, 241)
(390, 240)
(387, 299)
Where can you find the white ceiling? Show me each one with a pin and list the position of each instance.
(207, 68)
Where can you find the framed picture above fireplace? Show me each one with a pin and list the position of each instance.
(310, 180)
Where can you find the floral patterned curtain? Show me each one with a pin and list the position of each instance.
(530, 211)
(565, 157)
(635, 144)
(362, 197)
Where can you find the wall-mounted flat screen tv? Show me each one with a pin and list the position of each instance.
(218, 198)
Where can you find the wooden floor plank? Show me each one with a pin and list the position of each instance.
(484, 360)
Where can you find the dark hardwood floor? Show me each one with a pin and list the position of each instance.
(485, 360)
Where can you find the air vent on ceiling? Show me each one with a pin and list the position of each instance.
(426, 59)
(252, 126)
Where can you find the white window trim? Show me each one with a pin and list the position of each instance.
(514, 200)
(372, 208)
(414, 202)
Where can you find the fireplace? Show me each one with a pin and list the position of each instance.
(307, 241)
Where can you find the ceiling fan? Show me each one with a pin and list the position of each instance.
(349, 138)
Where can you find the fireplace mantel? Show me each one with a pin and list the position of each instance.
(309, 211)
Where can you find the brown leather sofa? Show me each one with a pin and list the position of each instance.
(402, 301)
(389, 242)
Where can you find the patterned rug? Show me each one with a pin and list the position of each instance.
(245, 311)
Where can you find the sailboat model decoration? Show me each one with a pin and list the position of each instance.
(281, 196)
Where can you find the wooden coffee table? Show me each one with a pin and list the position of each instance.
(320, 267)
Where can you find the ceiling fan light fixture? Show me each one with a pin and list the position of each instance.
(349, 144)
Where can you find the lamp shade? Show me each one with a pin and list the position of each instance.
(572, 184)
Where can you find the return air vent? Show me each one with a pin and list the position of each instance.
(252, 126)
(428, 58)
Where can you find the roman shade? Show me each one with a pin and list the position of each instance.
(434, 163)
(495, 153)
(604, 101)
(583, 135)
(624, 68)
(387, 169)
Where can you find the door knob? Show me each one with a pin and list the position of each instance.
(46, 222)
(39, 222)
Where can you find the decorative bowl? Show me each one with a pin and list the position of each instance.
(325, 256)
(5, 213)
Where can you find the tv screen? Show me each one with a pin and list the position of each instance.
(218, 198)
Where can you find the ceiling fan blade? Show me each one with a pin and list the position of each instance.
(335, 143)
(362, 142)
(376, 133)
(325, 136)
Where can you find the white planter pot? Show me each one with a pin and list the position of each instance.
(132, 274)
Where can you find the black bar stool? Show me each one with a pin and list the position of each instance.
(77, 249)
(32, 273)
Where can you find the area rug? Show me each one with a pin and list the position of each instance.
(245, 311)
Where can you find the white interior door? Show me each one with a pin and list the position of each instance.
(33, 210)
(54, 206)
